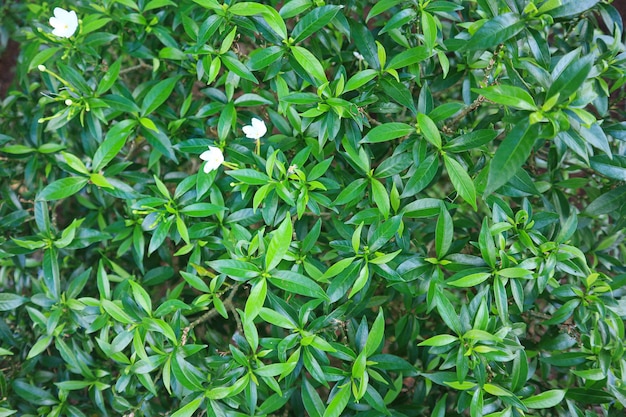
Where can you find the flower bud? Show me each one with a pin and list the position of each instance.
(41, 68)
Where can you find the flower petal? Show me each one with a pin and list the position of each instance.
(259, 126)
(206, 155)
(250, 132)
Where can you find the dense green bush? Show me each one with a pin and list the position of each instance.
(409, 208)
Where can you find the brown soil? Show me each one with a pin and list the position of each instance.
(8, 59)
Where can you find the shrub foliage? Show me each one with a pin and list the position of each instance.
(432, 223)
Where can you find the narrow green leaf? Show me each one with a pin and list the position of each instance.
(62, 188)
(112, 144)
(511, 155)
(609, 202)
(279, 244)
(308, 61)
(376, 334)
(313, 21)
(339, 402)
(256, 299)
(10, 301)
(189, 409)
(547, 399)
(409, 57)
(429, 130)
(388, 131)
(496, 31)
(297, 283)
(439, 340)
(508, 95)
(447, 312)
(157, 95)
(461, 180)
(444, 232)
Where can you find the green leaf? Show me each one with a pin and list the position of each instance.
(100, 180)
(62, 188)
(189, 409)
(399, 93)
(236, 66)
(109, 77)
(339, 402)
(297, 283)
(195, 281)
(496, 31)
(444, 232)
(313, 22)
(409, 57)
(511, 155)
(471, 140)
(10, 301)
(313, 404)
(424, 207)
(116, 312)
(308, 61)
(376, 334)
(380, 197)
(563, 313)
(465, 280)
(17, 149)
(423, 175)
(360, 79)
(157, 95)
(277, 319)
(614, 168)
(249, 176)
(381, 7)
(201, 210)
(256, 299)
(31, 394)
(446, 311)
(388, 131)
(508, 95)
(439, 340)
(262, 58)
(571, 8)
(609, 202)
(429, 130)
(429, 29)
(571, 77)
(112, 144)
(547, 399)
(461, 180)
(42, 57)
(239, 270)
(497, 390)
(279, 244)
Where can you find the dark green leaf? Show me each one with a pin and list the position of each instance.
(511, 155)
(313, 21)
(496, 31)
(62, 188)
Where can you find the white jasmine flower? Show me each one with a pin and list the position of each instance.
(68, 102)
(358, 56)
(256, 130)
(64, 22)
(213, 157)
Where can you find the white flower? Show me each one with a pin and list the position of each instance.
(68, 102)
(358, 56)
(41, 68)
(256, 130)
(64, 22)
(213, 157)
